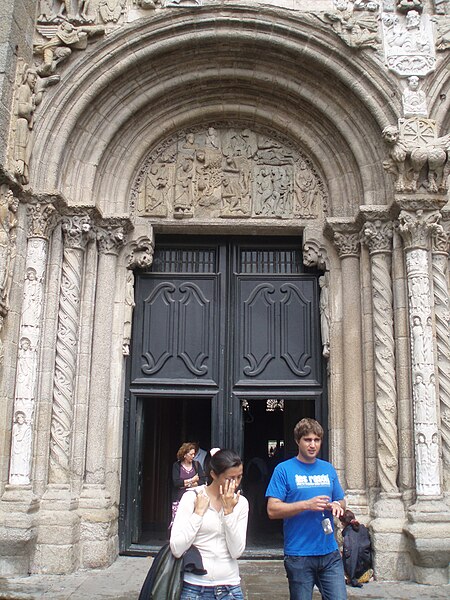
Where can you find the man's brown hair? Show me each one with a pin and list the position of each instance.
(307, 426)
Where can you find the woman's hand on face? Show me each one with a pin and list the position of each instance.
(228, 497)
(201, 503)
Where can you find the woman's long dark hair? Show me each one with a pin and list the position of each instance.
(220, 462)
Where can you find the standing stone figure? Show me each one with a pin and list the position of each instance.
(27, 100)
(19, 469)
(324, 308)
(8, 222)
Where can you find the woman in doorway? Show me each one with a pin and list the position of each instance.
(213, 518)
(186, 473)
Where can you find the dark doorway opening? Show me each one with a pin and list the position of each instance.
(165, 424)
(268, 425)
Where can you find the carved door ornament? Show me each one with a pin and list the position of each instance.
(229, 172)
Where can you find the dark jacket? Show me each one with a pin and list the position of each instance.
(357, 551)
(178, 487)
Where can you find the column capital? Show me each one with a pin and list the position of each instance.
(41, 220)
(77, 231)
(347, 244)
(417, 227)
(378, 236)
(110, 239)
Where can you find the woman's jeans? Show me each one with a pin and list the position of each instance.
(208, 592)
(327, 572)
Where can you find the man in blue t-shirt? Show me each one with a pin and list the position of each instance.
(305, 492)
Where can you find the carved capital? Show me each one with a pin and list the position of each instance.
(347, 244)
(378, 236)
(110, 239)
(416, 227)
(315, 255)
(141, 253)
(77, 230)
(41, 220)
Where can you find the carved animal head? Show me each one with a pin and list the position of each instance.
(391, 134)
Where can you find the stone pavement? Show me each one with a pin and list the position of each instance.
(261, 580)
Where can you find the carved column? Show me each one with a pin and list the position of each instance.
(378, 237)
(76, 232)
(109, 242)
(348, 245)
(416, 228)
(442, 319)
(40, 219)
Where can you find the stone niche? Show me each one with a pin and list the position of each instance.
(228, 171)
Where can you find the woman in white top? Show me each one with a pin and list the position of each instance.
(213, 518)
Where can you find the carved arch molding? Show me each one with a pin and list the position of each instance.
(229, 170)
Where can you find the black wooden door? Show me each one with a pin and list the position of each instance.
(223, 321)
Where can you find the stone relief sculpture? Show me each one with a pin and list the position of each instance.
(8, 224)
(414, 99)
(416, 156)
(406, 5)
(408, 43)
(356, 23)
(111, 10)
(20, 449)
(229, 172)
(63, 37)
(441, 7)
(128, 312)
(71, 10)
(417, 228)
(442, 32)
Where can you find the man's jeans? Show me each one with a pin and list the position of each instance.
(326, 571)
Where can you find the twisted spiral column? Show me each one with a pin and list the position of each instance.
(75, 231)
(442, 319)
(378, 236)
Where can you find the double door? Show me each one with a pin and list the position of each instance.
(225, 331)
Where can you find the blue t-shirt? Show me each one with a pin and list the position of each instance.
(293, 480)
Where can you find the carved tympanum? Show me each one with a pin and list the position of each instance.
(229, 172)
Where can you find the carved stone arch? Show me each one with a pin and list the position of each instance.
(335, 109)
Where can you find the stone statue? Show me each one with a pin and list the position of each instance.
(414, 99)
(27, 100)
(19, 469)
(8, 223)
(128, 312)
(324, 307)
(406, 5)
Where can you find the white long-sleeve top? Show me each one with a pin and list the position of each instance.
(220, 539)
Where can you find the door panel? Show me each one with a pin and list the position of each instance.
(277, 342)
(176, 330)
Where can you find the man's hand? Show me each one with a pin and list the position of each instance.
(336, 508)
(318, 503)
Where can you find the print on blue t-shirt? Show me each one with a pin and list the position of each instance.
(293, 480)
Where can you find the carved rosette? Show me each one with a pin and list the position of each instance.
(378, 236)
(442, 319)
(110, 239)
(416, 229)
(76, 233)
(347, 244)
